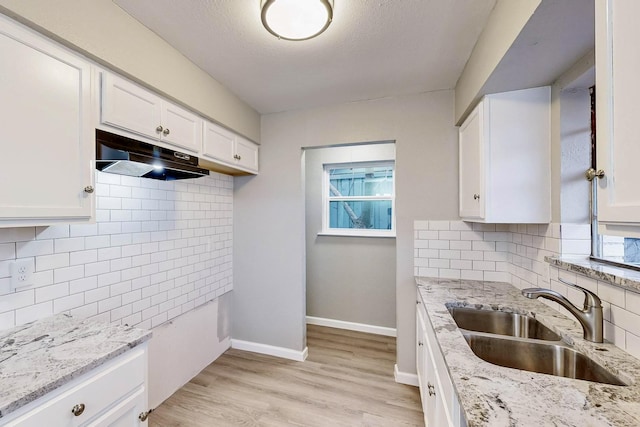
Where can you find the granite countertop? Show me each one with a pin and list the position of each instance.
(619, 276)
(492, 395)
(41, 356)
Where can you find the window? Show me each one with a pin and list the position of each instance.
(359, 199)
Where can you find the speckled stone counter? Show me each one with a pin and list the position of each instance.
(39, 357)
(619, 276)
(495, 396)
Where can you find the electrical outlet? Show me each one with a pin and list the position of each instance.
(22, 273)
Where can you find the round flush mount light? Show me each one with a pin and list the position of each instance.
(296, 19)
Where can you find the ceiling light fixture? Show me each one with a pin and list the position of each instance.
(296, 19)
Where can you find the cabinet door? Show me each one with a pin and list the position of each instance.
(428, 405)
(618, 92)
(181, 127)
(247, 153)
(128, 106)
(218, 143)
(47, 138)
(471, 165)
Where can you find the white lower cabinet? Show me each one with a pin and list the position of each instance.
(113, 395)
(439, 400)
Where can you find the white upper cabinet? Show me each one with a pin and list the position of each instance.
(128, 106)
(617, 95)
(47, 138)
(505, 159)
(181, 127)
(471, 165)
(221, 145)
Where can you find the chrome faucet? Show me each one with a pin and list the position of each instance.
(590, 317)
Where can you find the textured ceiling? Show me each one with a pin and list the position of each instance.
(373, 48)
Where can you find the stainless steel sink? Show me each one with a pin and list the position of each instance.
(501, 323)
(538, 356)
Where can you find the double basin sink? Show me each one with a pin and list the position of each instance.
(518, 341)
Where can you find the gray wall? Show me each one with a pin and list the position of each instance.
(348, 278)
(269, 243)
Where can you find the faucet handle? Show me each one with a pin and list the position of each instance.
(590, 299)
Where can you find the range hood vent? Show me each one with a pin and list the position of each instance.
(125, 156)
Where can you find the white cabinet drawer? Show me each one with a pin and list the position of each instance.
(125, 413)
(96, 392)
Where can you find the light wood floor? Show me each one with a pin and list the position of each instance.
(347, 380)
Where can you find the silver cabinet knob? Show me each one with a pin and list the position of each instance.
(591, 173)
(89, 189)
(432, 389)
(144, 415)
(420, 344)
(166, 132)
(159, 129)
(77, 410)
(476, 197)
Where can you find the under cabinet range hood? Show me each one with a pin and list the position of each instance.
(125, 156)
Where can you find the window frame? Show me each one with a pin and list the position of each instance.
(327, 199)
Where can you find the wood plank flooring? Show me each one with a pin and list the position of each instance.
(347, 380)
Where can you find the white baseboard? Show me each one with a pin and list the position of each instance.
(360, 327)
(405, 378)
(285, 353)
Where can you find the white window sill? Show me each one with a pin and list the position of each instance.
(351, 234)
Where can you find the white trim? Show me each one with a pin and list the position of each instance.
(285, 353)
(339, 234)
(360, 327)
(405, 378)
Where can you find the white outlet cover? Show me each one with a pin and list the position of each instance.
(22, 272)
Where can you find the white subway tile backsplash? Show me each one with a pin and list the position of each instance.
(632, 302)
(12, 235)
(612, 294)
(68, 273)
(82, 285)
(34, 248)
(439, 225)
(82, 257)
(449, 235)
(69, 244)
(33, 312)
(48, 293)
(105, 270)
(52, 232)
(632, 342)
(7, 251)
(614, 334)
(96, 295)
(67, 303)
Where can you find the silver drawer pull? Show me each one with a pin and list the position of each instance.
(88, 189)
(166, 132)
(77, 410)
